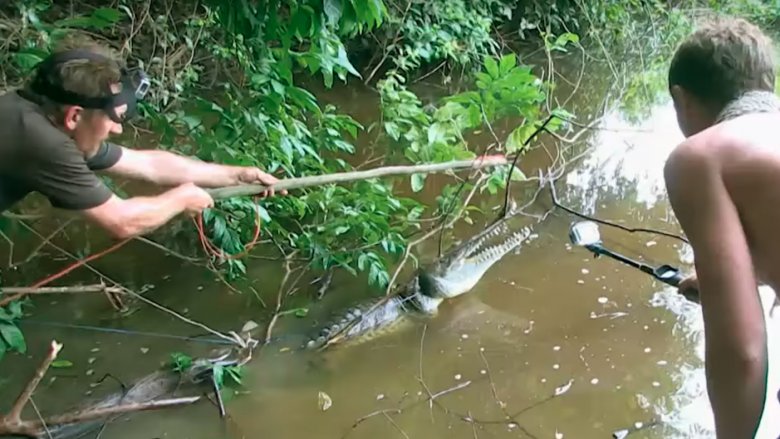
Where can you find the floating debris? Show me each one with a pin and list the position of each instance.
(324, 401)
(602, 300)
(560, 390)
(144, 350)
(513, 425)
(464, 336)
(594, 381)
(458, 376)
(556, 366)
(648, 350)
(380, 397)
(580, 281)
(95, 350)
(662, 363)
(656, 384)
(90, 372)
(558, 435)
(91, 360)
(249, 326)
(556, 348)
(482, 372)
(651, 243)
(620, 434)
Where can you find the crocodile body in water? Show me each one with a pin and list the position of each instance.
(452, 275)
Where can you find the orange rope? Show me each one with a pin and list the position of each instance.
(213, 250)
(208, 247)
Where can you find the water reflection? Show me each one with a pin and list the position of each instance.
(627, 160)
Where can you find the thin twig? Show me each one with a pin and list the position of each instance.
(610, 223)
(397, 427)
(46, 240)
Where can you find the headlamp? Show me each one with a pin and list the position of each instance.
(133, 82)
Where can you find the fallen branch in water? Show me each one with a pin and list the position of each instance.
(342, 177)
(96, 288)
(19, 292)
(158, 390)
(14, 417)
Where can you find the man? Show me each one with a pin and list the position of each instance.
(723, 183)
(54, 134)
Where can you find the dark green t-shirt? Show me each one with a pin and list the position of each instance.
(35, 156)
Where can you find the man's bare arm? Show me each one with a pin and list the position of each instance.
(140, 215)
(735, 332)
(170, 169)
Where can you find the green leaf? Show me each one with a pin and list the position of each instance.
(219, 375)
(61, 364)
(418, 182)
(515, 141)
(343, 61)
(234, 373)
(508, 62)
(110, 15)
(13, 337)
(333, 11)
(3, 348)
(491, 67)
(301, 312)
(517, 174)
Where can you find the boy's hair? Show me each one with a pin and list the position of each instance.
(723, 59)
(89, 78)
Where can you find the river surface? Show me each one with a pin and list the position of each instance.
(616, 346)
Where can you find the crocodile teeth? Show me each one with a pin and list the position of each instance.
(320, 340)
(334, 328)
(310, 344)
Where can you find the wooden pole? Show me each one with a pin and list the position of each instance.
(342, 177)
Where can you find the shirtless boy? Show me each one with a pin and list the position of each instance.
(723, 184)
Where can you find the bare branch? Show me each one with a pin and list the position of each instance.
(15, 415)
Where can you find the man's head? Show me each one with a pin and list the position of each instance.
(723, 59)
(79, 86)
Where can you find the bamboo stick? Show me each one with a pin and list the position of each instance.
(342, 177)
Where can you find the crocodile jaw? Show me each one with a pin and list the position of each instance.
(462, 277)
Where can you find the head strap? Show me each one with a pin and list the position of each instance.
(134, 85)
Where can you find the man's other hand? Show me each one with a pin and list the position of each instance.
(195, 199)
(251, 175)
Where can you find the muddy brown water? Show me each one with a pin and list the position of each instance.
(548, 315)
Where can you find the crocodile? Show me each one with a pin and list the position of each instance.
(453, 274)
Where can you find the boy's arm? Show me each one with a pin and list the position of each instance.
(734, 326)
